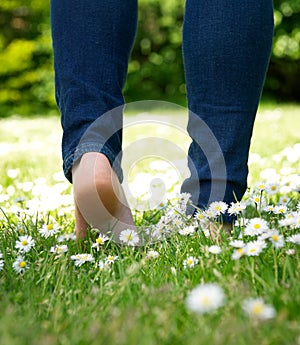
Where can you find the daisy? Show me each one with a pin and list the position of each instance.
(254, 248)
(100, 241)
(20, 265)
(276, 239)
(199, 215)
(236, 208)
(256, 308)
(49, 230)
(129, 237)
(178, 222)
(214, 249)
(294, 239)
(261, 186)
(256, 226)
(280, 209)
(290, 251)
(218, 207)
(102, 265)
(284, 200)
(272, 188)
(80, 259)
(24, 244)
(152, 254)
(66, 237)
(188, 230)
(237, 243)
(237, 254)
(110, 259)
(190, 262)
(205, 298)
(59, 249)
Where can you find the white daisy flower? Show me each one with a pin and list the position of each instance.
(294, 239)
(190, 262)
(100, 241)
(254, 248)
(256, 308)
(280, 209)
(110, 259)
(289, 220)
(129, 237)
(66, 237)
(205, 298)
(272, 188)
(237, 244)
(59, 249)
(102, 266)
(188, 230)
(49, 230)
(20, 265)
(256, 226)
(152, 254)
(290, 251)
(269, 208)
(199, 215)
(218, 207)
(214, 249)
(261, 186)
(236, 208)
(237, 254)
(80, 259)
(284, 200)
(24, 244)
(276, 239)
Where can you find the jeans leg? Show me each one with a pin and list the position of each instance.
(92, 41)
(226, 51)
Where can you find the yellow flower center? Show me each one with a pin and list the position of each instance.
(252, 250)
(257, 308)
(256, 226)
(205, 300)
(273, 188)
(99, 240)
(129, 237)
(218, 208)
(189, 261)
(24, 243)
(22, 264)
(50, 227)
(240, 251)
(275, 237)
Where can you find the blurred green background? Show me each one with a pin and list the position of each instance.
(155, 70)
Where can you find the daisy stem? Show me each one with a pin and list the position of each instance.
(275, 266)
(253, 272)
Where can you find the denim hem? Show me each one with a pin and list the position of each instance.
(70, 159)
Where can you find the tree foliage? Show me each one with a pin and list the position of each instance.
(155, 70)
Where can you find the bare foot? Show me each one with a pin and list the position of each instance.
(99, 197)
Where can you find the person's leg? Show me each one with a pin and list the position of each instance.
(92, 41)
(226, 50)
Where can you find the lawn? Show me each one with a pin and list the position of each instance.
(186, 288)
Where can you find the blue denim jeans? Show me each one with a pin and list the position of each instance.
(226, 51)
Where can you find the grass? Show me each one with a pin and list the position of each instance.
(137, 300)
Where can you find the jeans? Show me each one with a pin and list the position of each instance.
(226, 51)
